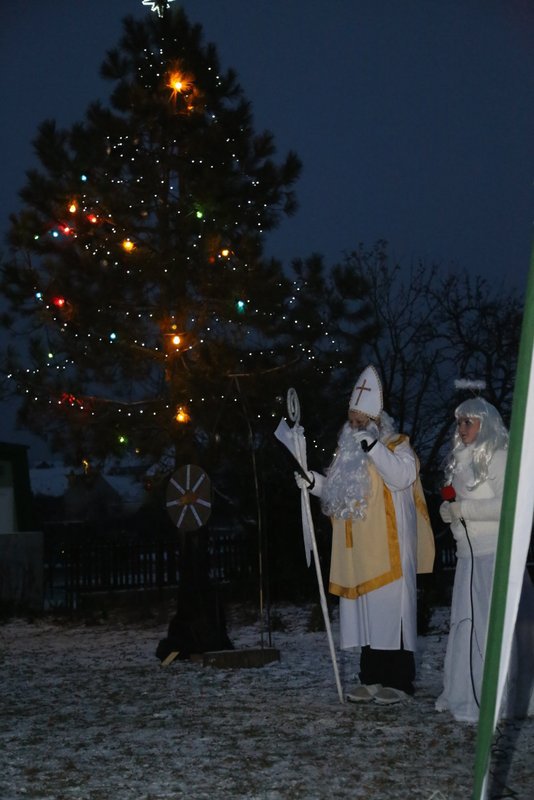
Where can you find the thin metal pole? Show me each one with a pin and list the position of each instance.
(259, 516)
(293, 408)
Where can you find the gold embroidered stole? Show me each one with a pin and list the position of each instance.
(366, 553)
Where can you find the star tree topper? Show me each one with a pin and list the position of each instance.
(157, 5)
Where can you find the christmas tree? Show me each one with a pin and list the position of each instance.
(141, 293)
(144, 318)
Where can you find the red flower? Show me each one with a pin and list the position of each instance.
(448, 493)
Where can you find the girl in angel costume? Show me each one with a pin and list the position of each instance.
(381, 538)
(475, 469)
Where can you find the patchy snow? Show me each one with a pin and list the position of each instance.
(52, 480)
(88, 712)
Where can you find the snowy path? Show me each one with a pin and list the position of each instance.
(87, 712)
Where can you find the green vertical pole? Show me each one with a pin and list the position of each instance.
(492, 660)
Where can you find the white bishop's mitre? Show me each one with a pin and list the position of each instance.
(367, 394)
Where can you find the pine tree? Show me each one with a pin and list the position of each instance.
(137, 264)
(144, 317)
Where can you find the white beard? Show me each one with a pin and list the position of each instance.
(348, 482)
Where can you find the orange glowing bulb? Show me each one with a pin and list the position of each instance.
(73, 208)
(176, 340)
(128, 245)
(182, 415)
(179, 82)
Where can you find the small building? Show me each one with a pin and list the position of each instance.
(21, 546)
(67, 495)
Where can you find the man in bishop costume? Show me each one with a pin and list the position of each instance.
(381, 539)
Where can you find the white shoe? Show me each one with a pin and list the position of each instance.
(387, 696)
(364, 693)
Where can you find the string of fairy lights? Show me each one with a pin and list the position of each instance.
(86, 225)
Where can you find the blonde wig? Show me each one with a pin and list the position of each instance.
(492, 436)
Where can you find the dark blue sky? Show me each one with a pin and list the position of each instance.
(414, 119)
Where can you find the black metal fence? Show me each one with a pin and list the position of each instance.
(81, 559)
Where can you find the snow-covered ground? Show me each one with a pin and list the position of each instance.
(88, 712)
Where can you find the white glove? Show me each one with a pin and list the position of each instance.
(304, 483)
(372, 428)
(450, 512)
(315, 486)
(369, 435)
(445, 512)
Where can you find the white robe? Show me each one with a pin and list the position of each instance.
(379, 617)
(462, 680)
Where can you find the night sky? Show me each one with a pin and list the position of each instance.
(414, 120)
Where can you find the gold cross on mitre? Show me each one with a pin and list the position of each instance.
(363, 388)
(367, 394)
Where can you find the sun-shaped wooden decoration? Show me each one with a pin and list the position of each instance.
(188, 498)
